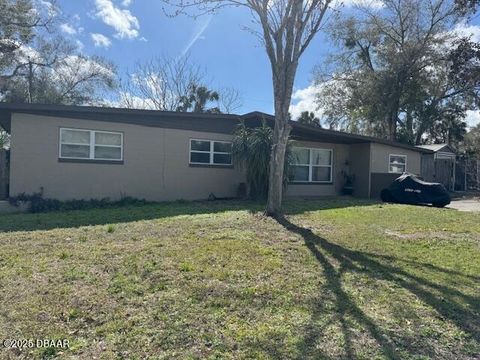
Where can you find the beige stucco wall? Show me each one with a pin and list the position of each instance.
(156, 164)
(340, 155)
(379, 162)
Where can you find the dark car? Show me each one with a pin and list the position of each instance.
(409, 189)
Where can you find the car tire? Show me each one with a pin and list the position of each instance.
(386, 195)
(440, 204)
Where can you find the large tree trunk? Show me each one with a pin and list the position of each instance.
(277, 165)
(392, 125)
(409, 128)
(283, 88)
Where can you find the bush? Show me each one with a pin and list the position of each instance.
(252, 149)
(39, 204)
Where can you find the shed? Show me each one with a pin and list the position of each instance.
(440, 165)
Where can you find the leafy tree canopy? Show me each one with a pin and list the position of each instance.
(402, 73)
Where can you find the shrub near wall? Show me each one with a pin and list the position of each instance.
(39, 204)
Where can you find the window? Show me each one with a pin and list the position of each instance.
(397, 164)
(91, 145)
(312, 165)
(209, 152)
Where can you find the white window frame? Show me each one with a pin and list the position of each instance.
(91, 145)
(311, 166)
(390, 163)
(212, 152)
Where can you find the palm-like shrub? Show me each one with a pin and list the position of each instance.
(252, 149)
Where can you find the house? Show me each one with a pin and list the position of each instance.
(440, 165)
(72, 152)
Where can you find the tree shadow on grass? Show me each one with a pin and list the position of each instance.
(129, 213)
(452, 305)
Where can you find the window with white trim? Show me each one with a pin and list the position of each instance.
(397, 164)
(81, 144)
(210, 152)
(312, 165)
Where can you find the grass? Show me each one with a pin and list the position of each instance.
(333, 279)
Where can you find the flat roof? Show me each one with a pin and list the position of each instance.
(219, 123)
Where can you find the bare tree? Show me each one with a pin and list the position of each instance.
(160, 83)
(286, 28)
(229, 100)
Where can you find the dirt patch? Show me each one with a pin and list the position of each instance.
(440, 235)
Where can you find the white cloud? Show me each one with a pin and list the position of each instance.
(373, 4)
(125, 24)
(467, 30)
(77, 67)
(197, 33)
(100, 40)
(80, 45)
(26, 53)
(304, 100)
(126, 3)
(472, 118)
(128, 100)
(49, 7)
(68, 29)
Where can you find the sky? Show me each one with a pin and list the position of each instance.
(128, 31)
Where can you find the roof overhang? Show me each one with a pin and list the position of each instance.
(218, 123)
(311, 133)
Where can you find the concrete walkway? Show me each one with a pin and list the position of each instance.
(472, 204)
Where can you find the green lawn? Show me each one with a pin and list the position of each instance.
(334, 279)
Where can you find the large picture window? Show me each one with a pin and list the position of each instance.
(312, 165)
(397, 164)
(83, 144)
(210, 152)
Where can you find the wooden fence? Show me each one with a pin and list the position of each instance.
(439, 170)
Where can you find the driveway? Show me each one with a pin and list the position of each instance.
(466, 204)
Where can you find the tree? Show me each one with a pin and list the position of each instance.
(54, 73)
(286, 29)
(396, 75)
(39, 66)
(19, 21)
(472, 142)
(309, 118)
(166, 83)
(229, 100)
(160, 83)
(4, 139)
(251, 149)
(197, 99)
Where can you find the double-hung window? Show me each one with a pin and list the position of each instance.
(210, 152)
(397, 164)
(312, 165)
(81, 144)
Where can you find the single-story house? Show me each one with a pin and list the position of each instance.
(76, 152)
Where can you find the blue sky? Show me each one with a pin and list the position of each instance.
(126, 31)
(232, 56)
